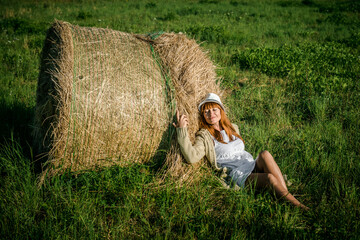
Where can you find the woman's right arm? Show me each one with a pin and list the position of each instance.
(192, 153)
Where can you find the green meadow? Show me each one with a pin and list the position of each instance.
(291, 72)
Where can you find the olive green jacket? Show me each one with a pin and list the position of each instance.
(203, 147)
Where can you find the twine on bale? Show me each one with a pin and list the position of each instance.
(106, 97)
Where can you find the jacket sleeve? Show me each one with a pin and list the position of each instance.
(191, 153)
(236, 128)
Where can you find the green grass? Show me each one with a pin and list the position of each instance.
(291, 69)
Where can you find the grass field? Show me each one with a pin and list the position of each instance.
(291, 69)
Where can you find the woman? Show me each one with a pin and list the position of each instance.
(219, 141)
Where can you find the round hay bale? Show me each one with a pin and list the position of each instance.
(193, 76)
(106, 97)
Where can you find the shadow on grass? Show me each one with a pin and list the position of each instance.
(157, 162)
(16, 121)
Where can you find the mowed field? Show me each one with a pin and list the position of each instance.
(290, 70)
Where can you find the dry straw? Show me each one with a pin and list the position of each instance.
(106, 97)
(193, 76)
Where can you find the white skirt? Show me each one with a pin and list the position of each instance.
(233, 156)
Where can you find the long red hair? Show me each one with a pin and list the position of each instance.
(224, 123)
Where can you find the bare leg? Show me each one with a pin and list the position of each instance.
(268, 180)
(269, 176)
(265, 163)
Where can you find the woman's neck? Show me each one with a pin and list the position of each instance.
(217, 127)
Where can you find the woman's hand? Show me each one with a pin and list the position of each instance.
(182, 120)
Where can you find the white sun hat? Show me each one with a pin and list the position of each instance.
(212, 97)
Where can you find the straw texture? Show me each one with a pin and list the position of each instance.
(106, 97)
(193, 76)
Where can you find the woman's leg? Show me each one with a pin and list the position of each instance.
(265, 163)
(268, 180)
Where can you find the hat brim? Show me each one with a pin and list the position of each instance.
(207, 101)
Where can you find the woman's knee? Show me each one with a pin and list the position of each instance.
(271, 179)
(264, 154)
(261, 159)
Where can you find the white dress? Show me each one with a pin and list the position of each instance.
(234, 157)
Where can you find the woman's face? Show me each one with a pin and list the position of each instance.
(212, 115)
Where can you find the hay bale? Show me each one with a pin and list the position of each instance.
(104, 96)
(193, 76)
